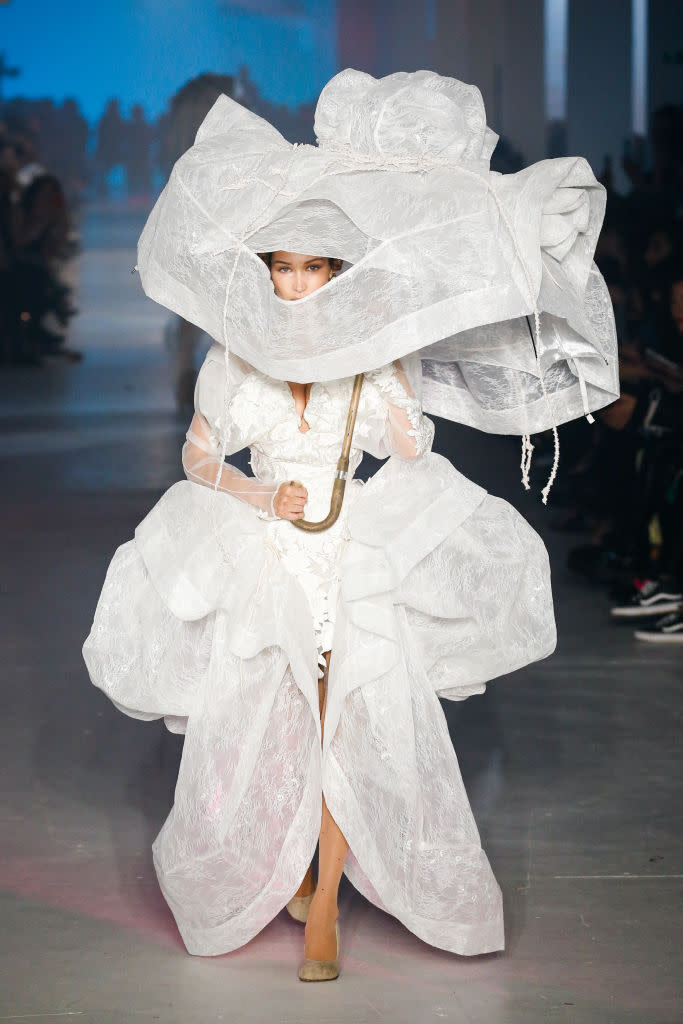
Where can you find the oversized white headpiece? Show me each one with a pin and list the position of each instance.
(489, 277)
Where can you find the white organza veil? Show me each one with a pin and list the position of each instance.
(489, 278)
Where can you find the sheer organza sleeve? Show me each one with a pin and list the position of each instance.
(401, 429)
(214, 431)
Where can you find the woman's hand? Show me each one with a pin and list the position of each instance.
(289, 500)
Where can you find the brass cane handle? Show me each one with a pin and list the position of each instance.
(339, 485)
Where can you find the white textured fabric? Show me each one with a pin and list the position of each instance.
(490, 277)
(213, 617)
(255, 411)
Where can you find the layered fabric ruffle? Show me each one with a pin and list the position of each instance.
(489, 277)
(435, 599)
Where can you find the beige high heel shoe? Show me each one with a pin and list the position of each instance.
(321, 970)
(299, 906)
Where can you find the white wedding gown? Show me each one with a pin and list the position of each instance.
(215, 615)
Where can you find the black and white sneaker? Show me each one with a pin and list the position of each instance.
(667, 630)
(651, 598)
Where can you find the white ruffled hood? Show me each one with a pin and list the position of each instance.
(489, 277)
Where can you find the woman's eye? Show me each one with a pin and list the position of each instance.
(314, 266)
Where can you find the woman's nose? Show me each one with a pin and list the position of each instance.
(299, 283)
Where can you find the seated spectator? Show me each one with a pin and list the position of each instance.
(658, 491)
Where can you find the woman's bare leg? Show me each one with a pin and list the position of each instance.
(320, 941)
(308, 884)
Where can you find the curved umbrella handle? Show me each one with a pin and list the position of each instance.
(339, 485)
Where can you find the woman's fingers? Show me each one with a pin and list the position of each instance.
(290, 500)
(295, 498)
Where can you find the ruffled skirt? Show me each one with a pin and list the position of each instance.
(443, 587)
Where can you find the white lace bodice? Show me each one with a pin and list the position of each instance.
(280, 450)
(246, 408)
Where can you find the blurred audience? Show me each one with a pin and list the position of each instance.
(35, 304)
(622, 482)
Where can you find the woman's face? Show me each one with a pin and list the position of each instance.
(294, 275)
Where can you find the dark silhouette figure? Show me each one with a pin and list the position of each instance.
(138, 153)
(110, 148)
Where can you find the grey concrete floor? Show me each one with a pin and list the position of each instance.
(570, 765)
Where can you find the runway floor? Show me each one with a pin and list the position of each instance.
(571, 765)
